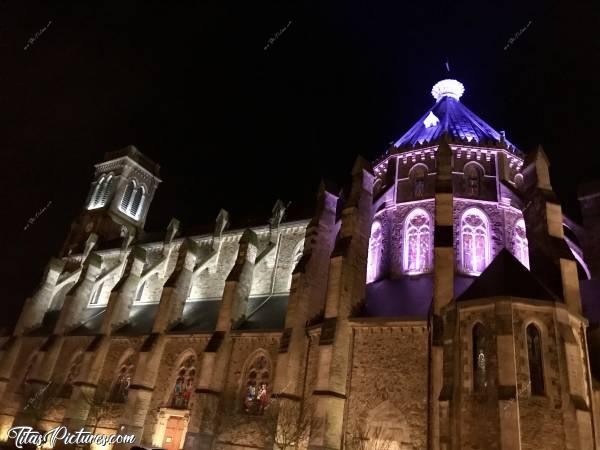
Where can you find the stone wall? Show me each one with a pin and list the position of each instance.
(541, 417)
(388, 383)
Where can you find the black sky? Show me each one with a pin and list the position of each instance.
(236, 126)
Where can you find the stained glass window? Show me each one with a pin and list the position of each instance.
(475, 241)
(184, 384)
(257, 387)
(375, 249)
(67, 388)
(417, 242)
(122, 382)
(534, 353)
(480, 359)
(520, 244)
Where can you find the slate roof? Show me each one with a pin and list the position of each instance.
(455, 119)
(198, 317)
(506, 276)
(403, 297)
(266, 313)
(141, 320)
(92, 321)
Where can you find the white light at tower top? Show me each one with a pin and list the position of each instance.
(447, 88)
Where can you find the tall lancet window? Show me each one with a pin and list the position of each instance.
(417, 242)
(184, 384)
(534, 353)
(475, 241)
(120, 388)
(480, 358)
(375, 250)
(520, 244)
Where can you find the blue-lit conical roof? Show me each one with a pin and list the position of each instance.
(450, 116)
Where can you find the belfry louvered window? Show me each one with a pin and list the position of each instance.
(127, 196)
(100, 192)
(106, 190)
(132, 202)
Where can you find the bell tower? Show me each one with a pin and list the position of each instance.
(118, 200)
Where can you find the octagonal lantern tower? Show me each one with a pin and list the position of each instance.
(483, 178)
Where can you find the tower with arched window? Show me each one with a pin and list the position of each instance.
(118, 199)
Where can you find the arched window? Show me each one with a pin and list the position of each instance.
(184, 384)
(98, 192)
(137, 200)
(417, 176)
(120, 388)
(133, 200)
(89, 201)
(67, 387)
(520, 244)
(297, 255)
(140, 292)
(480, 358)
(126, 200)
(96, 295)
(106, 190)
(417, 242)
(257, 387)
(534, 353)
(475, 243)
(473, 174)
(375, 251)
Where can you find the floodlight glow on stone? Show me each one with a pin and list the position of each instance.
(447, 88)
(431, 120)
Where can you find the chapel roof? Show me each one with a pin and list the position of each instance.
(451, 117)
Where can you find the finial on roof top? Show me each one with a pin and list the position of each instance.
(447, 88)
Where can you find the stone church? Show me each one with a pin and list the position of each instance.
(441, 301)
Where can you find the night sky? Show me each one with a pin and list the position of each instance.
(236, 126)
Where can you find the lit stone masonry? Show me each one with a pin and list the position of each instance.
(441, 301)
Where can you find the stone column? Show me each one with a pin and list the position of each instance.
(345, 291)
(204, 419)
(443, 293)
(508, 396)
(551, 259)
(37, 306)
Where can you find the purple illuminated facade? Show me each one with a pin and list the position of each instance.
(486, 177)
(443, 302)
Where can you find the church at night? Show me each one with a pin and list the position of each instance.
(442, 301)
